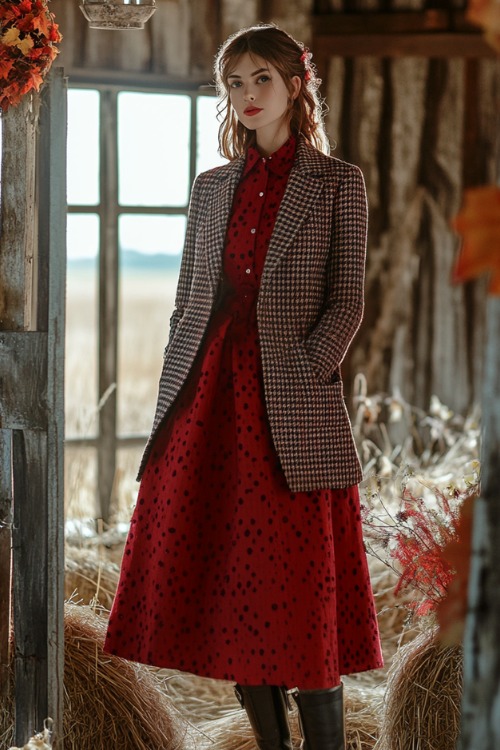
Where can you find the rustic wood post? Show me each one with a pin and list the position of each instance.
(17, 221)
(32, 283)
(481, 699)
(108, 308)
(5, 557)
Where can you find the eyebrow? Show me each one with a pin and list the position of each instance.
(255, 73)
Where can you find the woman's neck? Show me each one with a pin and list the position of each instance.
(269, 142)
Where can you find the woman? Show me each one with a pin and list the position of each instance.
(245, 558)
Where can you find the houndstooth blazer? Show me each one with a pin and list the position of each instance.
(309, 307)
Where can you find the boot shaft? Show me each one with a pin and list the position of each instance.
(321, 718)
(266, 708)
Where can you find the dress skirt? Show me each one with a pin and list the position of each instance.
(226, 573)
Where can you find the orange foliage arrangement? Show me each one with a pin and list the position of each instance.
(479, 224)
(28, 39)
(416, 542)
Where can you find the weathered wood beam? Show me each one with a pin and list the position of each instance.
(108, 305)
(5, 558)
(51, 318)
(31, 376)
(23, 375)
(29, 543)
(430, 33)
(17, 209)
(16, 256)
(134, 80)
(364, 22)
(444, 45)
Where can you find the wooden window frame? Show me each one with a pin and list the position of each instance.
(107, 440)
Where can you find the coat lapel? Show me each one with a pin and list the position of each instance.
(303, 189)
(219, 211)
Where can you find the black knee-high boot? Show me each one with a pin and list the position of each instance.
(321, 718)
(266, 709)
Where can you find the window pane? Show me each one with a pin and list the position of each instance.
(82, 236)
(81, 326)
(83, 147)
(153, 148)
(146, 304)
(207, 130)
(149, 265)
(159, 236)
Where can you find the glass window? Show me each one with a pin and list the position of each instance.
(83, 147)
(207, 130)
(156, 159)
(150, 252)
(153, 149)
(82, 236)
(81, 325)
(151, 235)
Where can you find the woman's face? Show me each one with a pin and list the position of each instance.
(259, 95)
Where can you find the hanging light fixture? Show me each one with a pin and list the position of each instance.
(117, 14)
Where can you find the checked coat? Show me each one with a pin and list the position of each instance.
(309, 307)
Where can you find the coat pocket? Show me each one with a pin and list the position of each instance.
(311, 375)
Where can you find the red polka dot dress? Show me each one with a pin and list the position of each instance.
(226, 573)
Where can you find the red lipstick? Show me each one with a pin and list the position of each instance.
(252, 111)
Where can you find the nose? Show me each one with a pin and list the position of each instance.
(248, 96)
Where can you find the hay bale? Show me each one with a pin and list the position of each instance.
(424, 689)
(108, 702)
(87, 577)
(111, 702)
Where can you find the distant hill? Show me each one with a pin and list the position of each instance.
(131, 260)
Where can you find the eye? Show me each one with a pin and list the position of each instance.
(234, 84)
(263, 79)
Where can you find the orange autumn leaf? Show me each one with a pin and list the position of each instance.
(5, 68)
(42, 24)
(452, 609)
(479, 224)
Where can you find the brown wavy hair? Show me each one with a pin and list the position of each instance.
(290, 58)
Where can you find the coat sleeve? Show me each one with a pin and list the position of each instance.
(188, 256)
(329, 340)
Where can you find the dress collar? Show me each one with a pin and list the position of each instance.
(280, 162)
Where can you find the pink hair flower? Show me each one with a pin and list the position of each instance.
(305, 59)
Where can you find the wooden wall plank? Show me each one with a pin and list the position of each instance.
(5, 558)
(52, 279)
(170, 46)
(17, 211)
(236, 14)
(401, 121)
(205, 25)
(29, 537)
(292, 15)
(23, 375)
